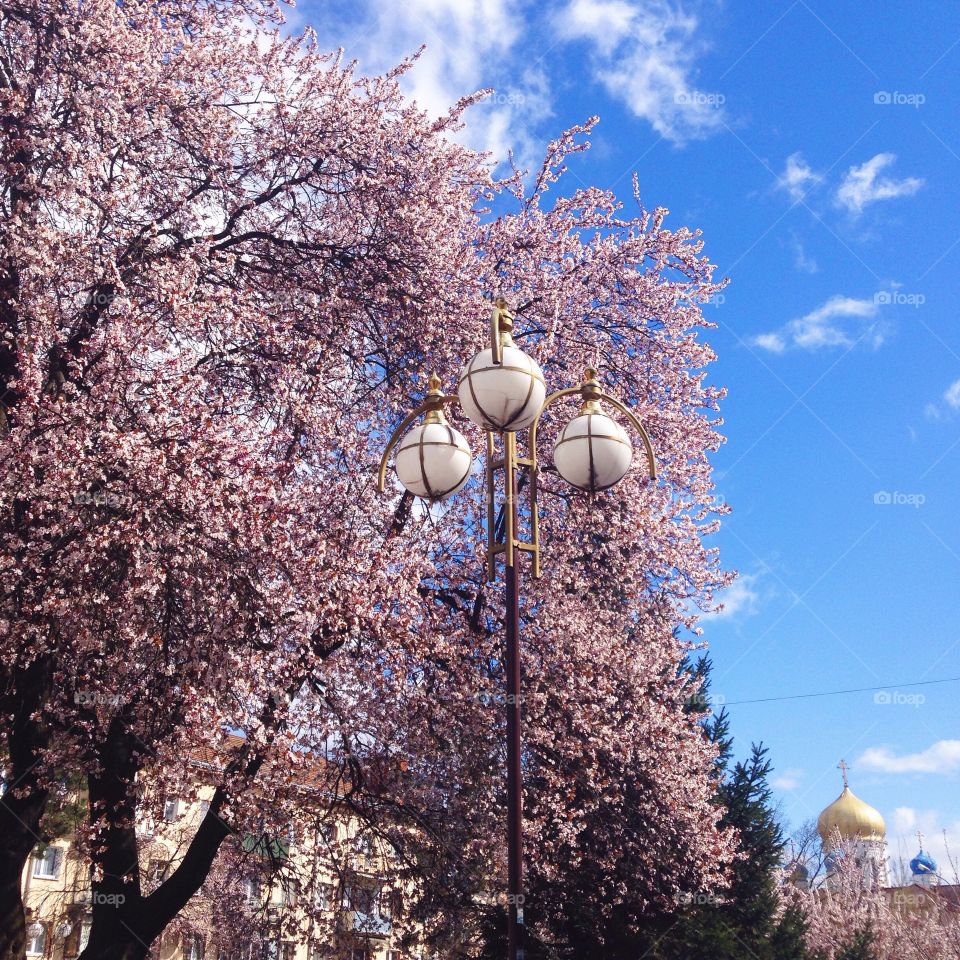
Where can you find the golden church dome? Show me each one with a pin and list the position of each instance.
(853, 819)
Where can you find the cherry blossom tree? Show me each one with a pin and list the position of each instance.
(896, 923)
(215, 243)
(227, 264)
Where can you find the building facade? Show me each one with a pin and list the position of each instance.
(327, 891)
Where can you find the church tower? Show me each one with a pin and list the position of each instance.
(853, 828)
(923, 868)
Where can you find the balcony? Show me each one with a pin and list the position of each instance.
(367, 924)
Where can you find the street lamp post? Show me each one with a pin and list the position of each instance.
(503, 391)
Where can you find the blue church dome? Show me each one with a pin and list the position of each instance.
(923, 865)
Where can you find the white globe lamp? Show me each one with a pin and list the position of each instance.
(502, 392)
(433, 461)
(593, 452)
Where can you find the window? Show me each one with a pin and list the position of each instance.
(192, 947)
(363, 844)
(390, 903)
(36, 939)
(359, 899)
(324, 896)
(204, 807)
(363, 900)
(170, 811)
(46, 863)
(265, 847)
(328, 833)
(288, 950)
(360, 953)
(291, 892)
(157, 871)
(84, 935)
(251, 890)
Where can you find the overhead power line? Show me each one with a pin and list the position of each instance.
(836, 693)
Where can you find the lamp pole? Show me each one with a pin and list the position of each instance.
(514, 687)
(502, 390)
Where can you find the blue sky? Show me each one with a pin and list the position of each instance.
(818, 147)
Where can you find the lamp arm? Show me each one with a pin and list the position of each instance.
(425, 407)
(535, 474)
(604, 398)
(635, 420)
(536, 420)
(496, 353)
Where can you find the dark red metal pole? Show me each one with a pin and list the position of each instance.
(514, 772)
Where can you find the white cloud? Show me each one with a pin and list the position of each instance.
(771, 341)
(604, 22)
(942, 757)
(819, 327)
(740, 598)
(643, 53)
(952, 395)
(904, 819)
(469, 46)
(839, 322)
(864, 184)
(801, 260)
(788, 780)
(798, 177)
(950, 401)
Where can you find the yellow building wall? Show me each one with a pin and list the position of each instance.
(61, 902)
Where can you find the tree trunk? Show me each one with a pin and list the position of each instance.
(13, 936)
(115, 887)
(112, 938)
(19, 834)
(24, 801)
(124, 922)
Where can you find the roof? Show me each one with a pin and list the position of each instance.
(853, 819)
